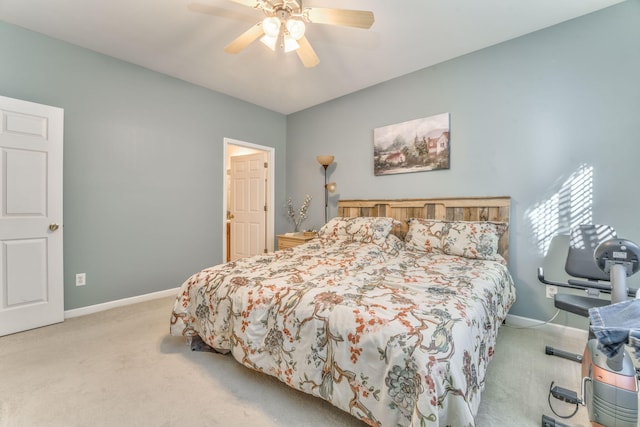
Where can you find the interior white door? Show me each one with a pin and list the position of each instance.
(248, 205)
(31, 264)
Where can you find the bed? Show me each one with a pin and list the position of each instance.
(390, 314)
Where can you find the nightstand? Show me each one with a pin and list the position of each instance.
(292, 240)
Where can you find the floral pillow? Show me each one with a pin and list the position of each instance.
(476, 240)
(469, 239)
(425, 235)
(358, 229)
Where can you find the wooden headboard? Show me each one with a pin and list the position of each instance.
(453, 209)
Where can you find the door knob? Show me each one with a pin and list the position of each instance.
(53, 227)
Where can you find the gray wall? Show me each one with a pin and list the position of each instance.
(526, 117)
(143, 165)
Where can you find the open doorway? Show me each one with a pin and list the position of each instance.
(243, 235)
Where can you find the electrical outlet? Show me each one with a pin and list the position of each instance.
(551, 291)
(81, 279)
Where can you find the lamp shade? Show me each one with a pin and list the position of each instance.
(296, 28)
(290, 44)
(325, 160)
(332, 187)
(269, 41)
(271, 26)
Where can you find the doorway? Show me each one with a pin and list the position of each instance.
(245, 235)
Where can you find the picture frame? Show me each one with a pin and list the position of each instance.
(413, 146)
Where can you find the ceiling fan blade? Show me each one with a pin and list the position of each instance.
(256, 4)
(349, 18)
(200, 7)
(245, 39)
(306, 53)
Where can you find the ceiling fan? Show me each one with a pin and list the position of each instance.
(284, 25)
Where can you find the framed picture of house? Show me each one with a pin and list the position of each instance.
(413, 146)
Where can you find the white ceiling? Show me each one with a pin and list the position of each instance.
(168, 37)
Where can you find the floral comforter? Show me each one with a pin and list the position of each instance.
(396, 338)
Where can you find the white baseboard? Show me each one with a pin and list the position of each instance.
(525, 322)
(83, 311)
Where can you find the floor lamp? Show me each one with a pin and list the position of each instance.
(330, 187)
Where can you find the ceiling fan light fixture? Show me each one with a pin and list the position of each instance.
(271, 26)
(284, 24)
(296, 28)
(290, 44)
(269, 41)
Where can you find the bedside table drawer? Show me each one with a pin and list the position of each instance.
(292, 240)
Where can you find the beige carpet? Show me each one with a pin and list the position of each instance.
(121, 368)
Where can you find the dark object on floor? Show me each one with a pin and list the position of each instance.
(198, 345)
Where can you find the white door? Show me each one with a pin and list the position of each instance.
(31, 269)
(248, 205)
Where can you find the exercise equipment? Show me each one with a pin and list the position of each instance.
(609, 385)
